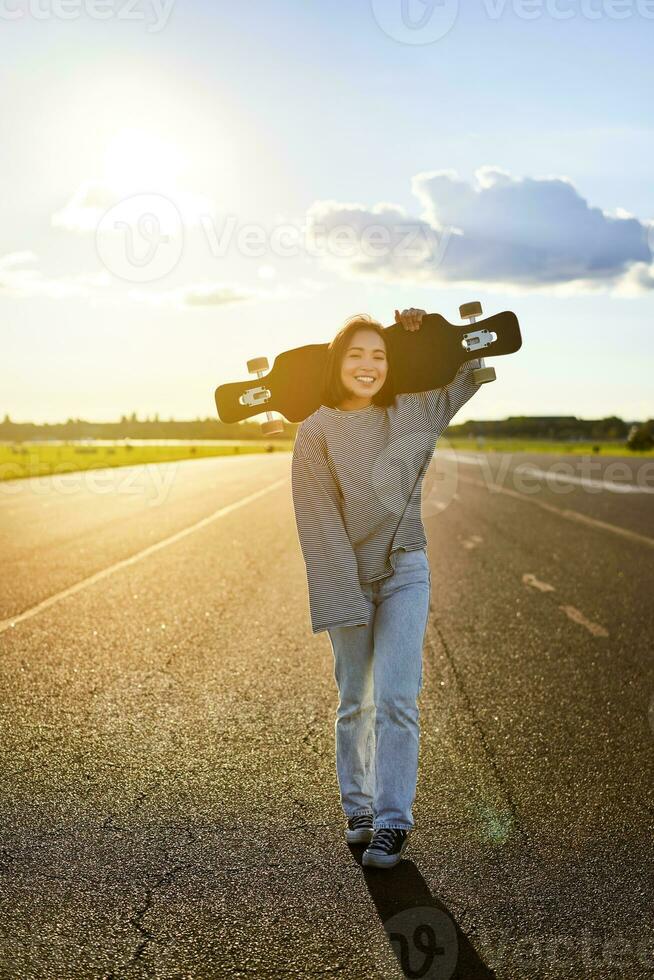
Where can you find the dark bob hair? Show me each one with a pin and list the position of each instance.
(333, 391)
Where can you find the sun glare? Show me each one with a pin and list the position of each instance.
(137, 161)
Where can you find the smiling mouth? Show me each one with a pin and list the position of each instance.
(365, 379)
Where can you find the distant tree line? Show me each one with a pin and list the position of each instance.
(131, 427)
(639, 435)
(564, 427)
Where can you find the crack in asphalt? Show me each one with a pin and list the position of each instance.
(108, 822)
(140, 913)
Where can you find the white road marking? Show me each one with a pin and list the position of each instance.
(530, 579)
(466, 460)
(571, 612)
(569, 515)
(578, 617)
(530, 469)
(146, 552)
(582, 481)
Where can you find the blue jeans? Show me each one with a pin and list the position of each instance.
(378, 671)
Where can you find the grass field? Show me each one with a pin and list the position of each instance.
(21, 460)
(540, 446)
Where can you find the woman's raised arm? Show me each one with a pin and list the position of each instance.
(442, 404)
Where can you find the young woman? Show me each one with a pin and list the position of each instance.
(357, 471)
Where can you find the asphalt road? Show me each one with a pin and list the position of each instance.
(169, 803)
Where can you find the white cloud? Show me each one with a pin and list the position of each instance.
(20, 281)
(638, 279)
(210, 294)
(19, 276)
(94, 198)
(85, 208)
(16, 280)
(213, 294)
(498, 232)
(13, 259)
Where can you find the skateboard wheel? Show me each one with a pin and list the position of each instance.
(257, 364)
(272, 428)
(482, 375)
(469, 309)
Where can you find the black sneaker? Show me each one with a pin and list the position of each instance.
(386, 848)
(359, 829)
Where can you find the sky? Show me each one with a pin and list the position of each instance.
(188, 185)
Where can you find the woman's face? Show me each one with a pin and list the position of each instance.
(364, 365)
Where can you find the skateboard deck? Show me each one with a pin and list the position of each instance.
(421, 359)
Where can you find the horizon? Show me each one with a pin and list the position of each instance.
(208, 418)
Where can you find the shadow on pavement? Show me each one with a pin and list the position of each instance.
(425, 939)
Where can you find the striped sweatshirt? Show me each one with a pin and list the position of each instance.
(356, 485)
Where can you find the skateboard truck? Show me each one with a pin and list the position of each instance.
(255, 396)
(260, 395)
(477, 339)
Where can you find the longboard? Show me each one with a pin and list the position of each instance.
(422, 359)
